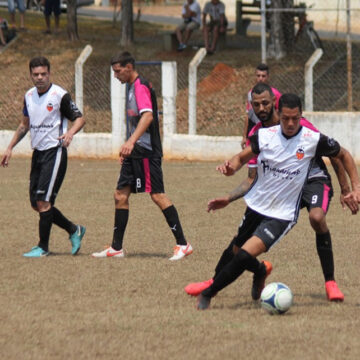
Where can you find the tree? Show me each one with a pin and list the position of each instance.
(127, 24)
(281, 29)
(72, 28)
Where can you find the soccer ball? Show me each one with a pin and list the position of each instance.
(276, 298)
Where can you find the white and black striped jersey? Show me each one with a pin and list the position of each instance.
(48, 113)
(283, 165)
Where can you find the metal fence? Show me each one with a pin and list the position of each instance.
(222, 85)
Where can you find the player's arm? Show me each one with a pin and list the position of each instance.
(20, 132)
(144, 122)
(69, 110)
(245, 131)
(237, 193)
(343, 182)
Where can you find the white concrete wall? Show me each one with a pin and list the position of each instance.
(344, 127)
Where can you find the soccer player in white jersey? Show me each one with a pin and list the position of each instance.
(316, 198)
(285, 153)
(47, 107)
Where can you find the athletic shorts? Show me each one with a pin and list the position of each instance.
(269, 230)
(20, 5)
(317, 193)
(52, 6)
(192, 25)
(48, 168)
(143, 175)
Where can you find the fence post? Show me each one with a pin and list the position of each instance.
(169, 92)
(118, 116)
(314, 58)
(195, 62)
(79, 80)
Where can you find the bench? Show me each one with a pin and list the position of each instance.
(242, 23)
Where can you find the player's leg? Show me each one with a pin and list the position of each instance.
(316, 197)
(151, 179)
(266, 235)
(125, 185)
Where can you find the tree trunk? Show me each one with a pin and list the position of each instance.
(288, 25)
(72, 28)
(276, 42)
(127, 24)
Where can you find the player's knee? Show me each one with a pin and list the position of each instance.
(161, 200)
(120, 198)
(317, 220)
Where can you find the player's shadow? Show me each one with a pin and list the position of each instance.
(147, 255)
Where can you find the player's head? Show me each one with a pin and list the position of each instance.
(262, 73)
(263, 102)
(40, 73)
(123, 65)
(290, 110)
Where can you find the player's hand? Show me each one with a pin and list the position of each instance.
(126, 149)
(66, 139)
(121, 160)
(218, 203)
(6, 158)
(352, 201)
(226, 168)
(243, 142)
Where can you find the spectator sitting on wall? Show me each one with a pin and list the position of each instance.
(217, 24)
(191, 14)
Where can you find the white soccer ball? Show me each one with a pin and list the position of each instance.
(276, 298)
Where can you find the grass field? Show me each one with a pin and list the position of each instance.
(65, 307)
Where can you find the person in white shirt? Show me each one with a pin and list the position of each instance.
(191, 14)
(47, 107)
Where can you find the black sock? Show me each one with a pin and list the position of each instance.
(229, 273)
(121, 219)
(324, 250)
(45, 222)
(60, 220)
(225, 258)
(172, 218)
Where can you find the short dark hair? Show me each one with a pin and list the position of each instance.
(39, 61)
(259, 88)
(290, 101)
(263, 67)
(123, 59)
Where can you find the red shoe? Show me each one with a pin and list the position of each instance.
(259, 280)
(194, 289)
(333, 292)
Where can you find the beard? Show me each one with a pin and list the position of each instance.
(268, 117)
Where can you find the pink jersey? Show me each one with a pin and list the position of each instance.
(303, 122)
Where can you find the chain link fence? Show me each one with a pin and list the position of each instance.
(222, 85)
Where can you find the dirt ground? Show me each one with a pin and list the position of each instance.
(65, 307)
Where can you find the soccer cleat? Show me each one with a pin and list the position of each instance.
(259, 280)
(181, 251)
(109, 252)
(203, 302)
(76, 238)
(333, 292)
(195, 289)
(35, 252)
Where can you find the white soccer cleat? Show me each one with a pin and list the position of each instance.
(109, 252)
(181, 251)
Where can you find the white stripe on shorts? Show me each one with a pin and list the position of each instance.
(54, 173)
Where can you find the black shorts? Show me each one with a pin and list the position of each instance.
(52, 6)
(143, 175)
(268, 229)
(48, 170)
(317, 193)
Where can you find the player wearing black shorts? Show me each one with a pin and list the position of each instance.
(47, 107)
(140, 157)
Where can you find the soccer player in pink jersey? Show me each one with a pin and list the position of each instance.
(316, 197)
(141, 157)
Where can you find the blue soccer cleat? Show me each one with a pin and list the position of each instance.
(76, 238)
(35, 252)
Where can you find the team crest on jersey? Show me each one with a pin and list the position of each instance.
(50, 106)
(300, 153)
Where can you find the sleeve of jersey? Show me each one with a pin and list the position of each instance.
(25, 111)
(327, 146)
(252, 162)
(69, 109)
(254, 142)
(143, 98)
